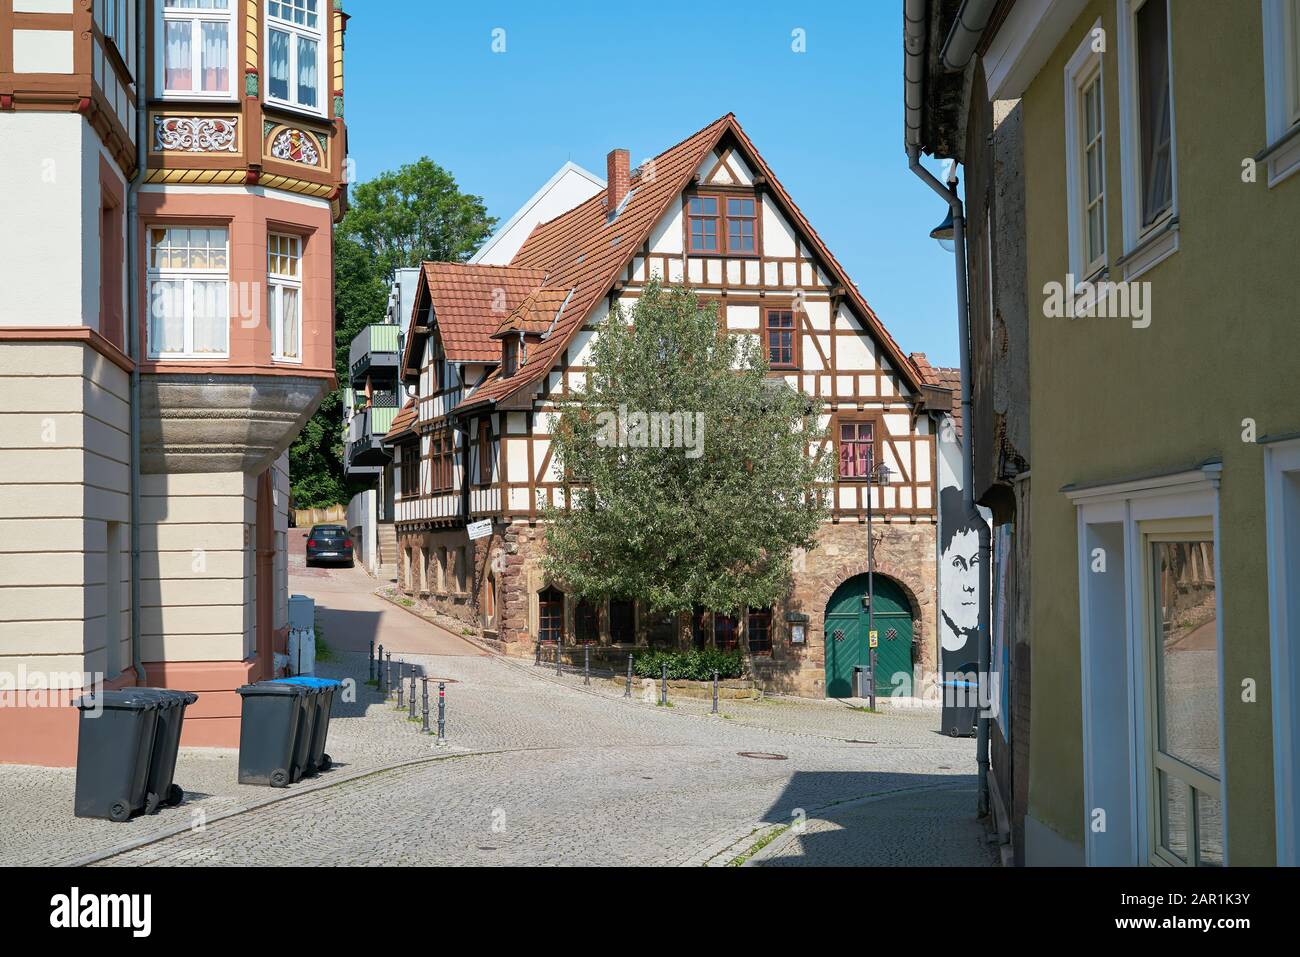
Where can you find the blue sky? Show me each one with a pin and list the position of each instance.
(578, 79)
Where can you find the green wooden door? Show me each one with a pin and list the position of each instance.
(846, 637)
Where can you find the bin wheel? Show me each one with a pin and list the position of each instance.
(279, 779)
(175, 796)
(326, 762)
(119, 812)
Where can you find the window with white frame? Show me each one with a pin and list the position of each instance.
(1152, 675)
(1282, 85)
(196, 47)
(189, 295)
(1086, 158)
(295, 44)
(1148, 134)
(1282, 503)
(284, 295)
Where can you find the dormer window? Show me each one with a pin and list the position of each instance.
(509, 357)
(724, 224)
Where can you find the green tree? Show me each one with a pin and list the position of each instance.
(399, 219)
(709, 518)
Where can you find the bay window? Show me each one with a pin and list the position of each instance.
(189, 296)
(196, 48)
(295, 43)
(284, 295)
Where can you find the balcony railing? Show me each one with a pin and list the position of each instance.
(374, 345)
(370, 424)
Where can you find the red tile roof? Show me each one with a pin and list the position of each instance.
(469, 302)
(583, 251)
(403, 422)
(535, 314)
(945, 378)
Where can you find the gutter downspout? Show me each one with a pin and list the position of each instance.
(133, 299)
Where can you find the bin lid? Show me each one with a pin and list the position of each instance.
(309, 681)
(122, 699)
(170, 696)
(271, 688)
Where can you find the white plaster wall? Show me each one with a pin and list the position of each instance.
(570, 186)
(45, 272)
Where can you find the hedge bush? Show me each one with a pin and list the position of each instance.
(697, 664)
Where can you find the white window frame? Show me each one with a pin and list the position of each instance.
(188, 276)
(295, 30)
(1119, 743)
(161, 16)
(1085, 67)
(276, 283)
(1144, 247)
(1282, 509)
(1281, 90)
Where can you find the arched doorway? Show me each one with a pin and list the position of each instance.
(846, 637)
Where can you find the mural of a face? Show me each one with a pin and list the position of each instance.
(959, 585)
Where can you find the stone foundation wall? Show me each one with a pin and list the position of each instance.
(511, 559)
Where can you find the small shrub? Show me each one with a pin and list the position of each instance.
(697, 664)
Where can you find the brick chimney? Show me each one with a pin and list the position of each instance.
(618, 177)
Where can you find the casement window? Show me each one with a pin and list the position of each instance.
(410, 470)
(550, 615)
(725, 631)
(856, 452)
(196, 47)
(1147, 136)
(284, 295)
(442, 453)
(780, 328)
(1184, 680)
(509, 357)
(1086, 158)
(484, 452)
(116, 20)
(758, 631)
(1152, 677)
(189, 296)
(720, 223)
(622, 621)
(111, 270)
(586, 623)
(1281, 87)
(295, 44)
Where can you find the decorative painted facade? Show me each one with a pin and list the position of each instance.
(166, 331)
(494, 349)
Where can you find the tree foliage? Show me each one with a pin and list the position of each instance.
(402, 218)
(710, 521)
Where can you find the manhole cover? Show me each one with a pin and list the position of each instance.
(762, 755)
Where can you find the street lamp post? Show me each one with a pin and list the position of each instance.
(881, 476)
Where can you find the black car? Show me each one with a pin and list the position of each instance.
(328, 543)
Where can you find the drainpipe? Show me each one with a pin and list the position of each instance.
(133, 300)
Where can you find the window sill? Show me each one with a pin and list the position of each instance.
(293, 108)
(1154, 248)
(206, 357)
(1282, 156)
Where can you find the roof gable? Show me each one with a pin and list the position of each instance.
(584, 251)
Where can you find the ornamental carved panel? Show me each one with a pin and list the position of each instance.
(195, 134)
(296, 146)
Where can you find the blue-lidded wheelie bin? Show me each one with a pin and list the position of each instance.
(115, 739)
(162, 788)
(325, 688)
(273, 733)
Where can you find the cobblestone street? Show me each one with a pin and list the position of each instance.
(540, 770)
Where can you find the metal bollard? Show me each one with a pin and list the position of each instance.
(558, 670)
(663, 685)
(715, 691)
(411, 715)
(399, 685)
(627, 690)
(586, 664)
(388, 673)
(442, 712)
(370, 659)
(424, 704)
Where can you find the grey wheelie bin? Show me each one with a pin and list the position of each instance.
(324, 690)
(115, 740)
(273, 736)
(162, 788)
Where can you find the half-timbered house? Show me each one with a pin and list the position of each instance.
(495, 349)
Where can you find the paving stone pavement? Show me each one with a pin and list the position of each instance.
(537, 770)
